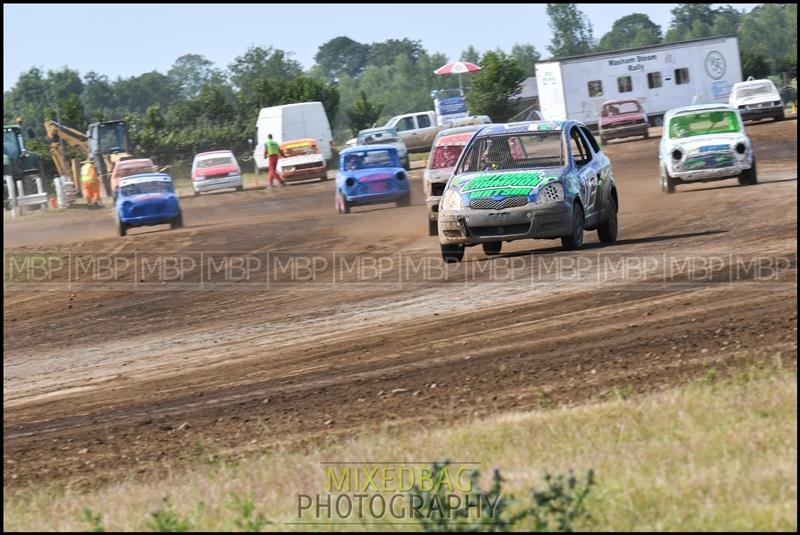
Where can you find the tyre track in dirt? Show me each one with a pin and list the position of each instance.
(155, 360)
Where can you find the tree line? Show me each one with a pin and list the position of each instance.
(197, 106)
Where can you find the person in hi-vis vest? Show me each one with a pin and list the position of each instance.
(90, 183)
(272, 151)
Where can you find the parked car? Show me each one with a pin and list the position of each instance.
(757, 99)
(129, 168)
(370, 174)
(622, 117)
(703, 143)
(216, 170)
(527, 180)
(417, 130)
(303, 161)
(302, 120)
(446, 149)
(147, 199)
(384, 136)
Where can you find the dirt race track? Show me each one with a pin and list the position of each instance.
(105, 379)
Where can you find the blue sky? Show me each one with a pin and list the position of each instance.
(133, 39)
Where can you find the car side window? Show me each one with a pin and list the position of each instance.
(424, 121)
(580, 152)
(590, 138)
(406, 123)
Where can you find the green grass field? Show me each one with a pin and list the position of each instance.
(711, 455)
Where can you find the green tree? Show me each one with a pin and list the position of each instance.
(631, 31)
(98, 95)
(471, 55)
(773, 27)
(726, 21)
(690, 21)
(341, 55)
(189, 72)
(492, 89)
(363, 114)
(258, 63)
(572, 31)
(137, 93)
(526, 57)
(305, 89)
(385, 52)
(754, 62)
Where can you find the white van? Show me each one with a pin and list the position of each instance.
(293, 121)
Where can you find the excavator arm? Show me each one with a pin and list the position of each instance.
(71, 137)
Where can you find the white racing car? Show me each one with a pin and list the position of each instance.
(703, 143)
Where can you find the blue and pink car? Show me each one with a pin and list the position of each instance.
(147, 199)
(371, 174)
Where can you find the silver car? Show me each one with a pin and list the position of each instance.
(541, 179)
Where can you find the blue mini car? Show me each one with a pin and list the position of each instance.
(147, 199)
(370, 174)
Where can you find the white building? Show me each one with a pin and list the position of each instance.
(662, 77)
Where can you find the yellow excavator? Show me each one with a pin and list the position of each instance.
(73, 138)
(106, 144)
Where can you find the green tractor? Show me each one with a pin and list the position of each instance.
(19, 163)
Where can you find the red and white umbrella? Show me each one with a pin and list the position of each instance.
(457, 67)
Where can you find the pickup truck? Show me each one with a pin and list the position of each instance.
(417, 130)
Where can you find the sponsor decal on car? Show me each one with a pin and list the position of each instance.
(502, 185)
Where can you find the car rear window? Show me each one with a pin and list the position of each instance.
(372, 159)
(754, 90)
(620, 108)
(530, 150)
(143, 188)
(216, 161)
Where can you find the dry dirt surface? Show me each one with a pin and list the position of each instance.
(148, 370)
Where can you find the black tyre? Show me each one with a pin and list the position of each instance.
(607, 230)
(323, 177)
(240, 188)
(492, 248)
(407, 163)
(342, 206)
(749, 177)
(122, 228)
(603, 140)
(196, 193)
(575, 239)
(452, 254)
(177, 222)
(647, 135)
(433, 228)
(667, 182)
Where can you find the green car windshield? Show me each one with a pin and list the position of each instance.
(701, 123)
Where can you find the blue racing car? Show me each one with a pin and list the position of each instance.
(370, 174)
(147, 199)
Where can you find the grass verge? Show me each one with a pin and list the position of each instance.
(710, 455)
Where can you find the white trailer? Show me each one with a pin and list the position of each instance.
(662, 77)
